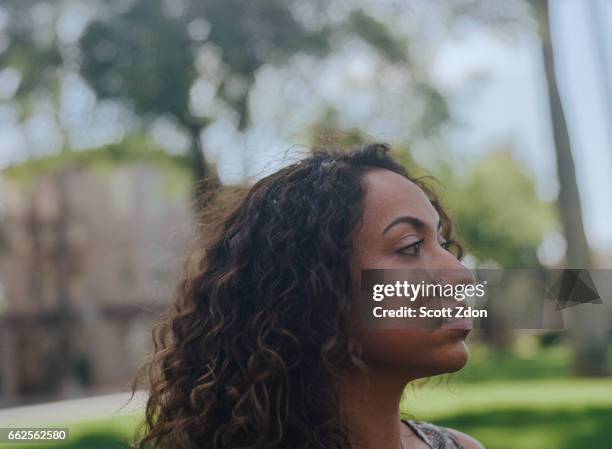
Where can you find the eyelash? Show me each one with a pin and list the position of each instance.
(446, 245)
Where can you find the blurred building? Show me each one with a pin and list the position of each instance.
(87, 260)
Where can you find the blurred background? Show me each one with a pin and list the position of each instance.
(112, 112)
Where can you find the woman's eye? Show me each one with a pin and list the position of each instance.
(451, 246)
(413, 249)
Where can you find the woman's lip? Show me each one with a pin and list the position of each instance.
(463, 323)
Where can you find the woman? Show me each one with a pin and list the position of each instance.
(262, 349)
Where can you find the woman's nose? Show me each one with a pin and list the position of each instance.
(448, 269)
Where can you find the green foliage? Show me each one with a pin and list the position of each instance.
(498, 212)
(135, 149)
(326, 134)
(537, 429)
(146, 57)
(253, 33)
(436, 108)
(36, 62)
(143, 54)
(142, 57)
(378, 35)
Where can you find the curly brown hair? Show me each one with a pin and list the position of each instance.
(251, 353)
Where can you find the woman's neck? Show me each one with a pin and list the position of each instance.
(371, 408)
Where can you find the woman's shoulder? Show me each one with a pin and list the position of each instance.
(439, 437)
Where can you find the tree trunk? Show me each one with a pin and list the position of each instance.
(589, 336)
(203, 172)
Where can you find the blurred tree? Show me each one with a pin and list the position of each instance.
(326, 133)
(500, 217)
(36, 57)
(32, 53)
(147, 55)
(423, 98)
(160, 55)
(590, 340)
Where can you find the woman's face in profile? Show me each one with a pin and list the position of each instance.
(401, 230)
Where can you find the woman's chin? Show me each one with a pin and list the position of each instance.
(456, 357)
(418, 353)
(451, 355)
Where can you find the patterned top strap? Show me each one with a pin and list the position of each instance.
(434, 436)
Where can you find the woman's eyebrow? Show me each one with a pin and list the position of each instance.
(416, 222)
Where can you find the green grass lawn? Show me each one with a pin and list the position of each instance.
(507, 401)
(557, 414)
(105, 434)
(511, 401)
